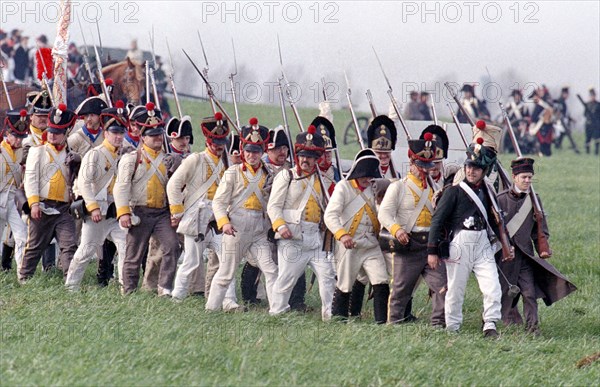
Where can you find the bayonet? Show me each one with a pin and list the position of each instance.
(101, 78)
(2, 65)
(99, 39)
(86, 53)
(354, 119)
(232, 83)
(211, 93)
(433, 111)
(172, 81)
(205, 70)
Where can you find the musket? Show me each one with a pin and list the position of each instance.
(101, 78)
(335, 151)
(434, 113)
(86, 53)
(205, 71)
(45, 82)
(286, 124)
(507, 249)
(542, 240)
(99, 38)
(4, 87)
(460, 106)
(354, 119)
(232, 83)
(152, 68)
(586, 109)
(172, 81)
(371, 103)
(211, 93)
(301, 127)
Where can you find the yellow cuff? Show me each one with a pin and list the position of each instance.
(339, 234)
(394, 229)
(123, 211)
(278, 223)
(92, 206)
(32, 200)
(222, 222)
(176, 209)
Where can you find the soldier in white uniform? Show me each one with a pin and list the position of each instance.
(95, 181)
(16, 126)
(240, 205)
(295, 208)
(90, 134)
(191, 190)
(351, 216)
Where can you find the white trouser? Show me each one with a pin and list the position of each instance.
(250, 241)
(470, 251)
(10, 215)
(192, 260)
(93, 236)
(293, 257)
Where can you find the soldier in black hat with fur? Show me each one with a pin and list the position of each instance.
(381, 137)
(535, 277)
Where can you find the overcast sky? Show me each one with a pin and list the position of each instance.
(419, 43)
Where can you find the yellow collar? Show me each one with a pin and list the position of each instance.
(109, 146)
(154, 154)
(213, 157)
(8, 148)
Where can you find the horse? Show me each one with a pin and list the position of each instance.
(128, 80)
(18, 98)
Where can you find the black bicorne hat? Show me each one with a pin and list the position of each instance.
(382, 134)
(179, 128)
(366, 164)
(92, 105)
(325, 127)
(277, 138)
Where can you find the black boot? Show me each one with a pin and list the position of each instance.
(106, 268)
(249, 283)
(340, 305)
(356, 298)
(408, 316)
(7, 252)
(297, 296)
(381, 293)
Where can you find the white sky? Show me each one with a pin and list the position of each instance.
(551, 42)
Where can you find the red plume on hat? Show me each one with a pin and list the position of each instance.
(480, 125)
(44, 54)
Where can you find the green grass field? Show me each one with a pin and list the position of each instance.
(98, 337)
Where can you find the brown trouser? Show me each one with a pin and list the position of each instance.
(407, 268)
(519, 272)
(39, 236)
(157, 222)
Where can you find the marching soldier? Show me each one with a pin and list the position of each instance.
(533, 275)
(191, 190)
(564, 120)
(275, 159)
(424, 107)
(48, 179)
(331, 173)
(592, 123)
(239, 206)
(141, 201)
(412, 110)
(351, 216)
(406, 212)
(517, 111)
(40, 107)
(95, 181)
(382, 135)
(16, 128)
(90, 135)
(441, 174)
(295, 208)
(542, 125)
(475, 107)
(463, 212)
